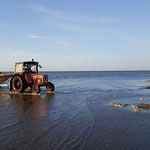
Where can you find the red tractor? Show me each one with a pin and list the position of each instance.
(26, 76)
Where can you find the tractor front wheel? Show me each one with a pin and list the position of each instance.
(36, 88)
(50, 87)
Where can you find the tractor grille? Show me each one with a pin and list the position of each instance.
(38, 80)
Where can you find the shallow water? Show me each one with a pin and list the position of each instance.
(78, 116)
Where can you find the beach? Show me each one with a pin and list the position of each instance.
(78, 114)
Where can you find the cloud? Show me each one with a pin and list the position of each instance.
(24, 53)
(75, 17)
(31, 36)
(36, 37)
(69, 27)
(55, 13)
(74, 21)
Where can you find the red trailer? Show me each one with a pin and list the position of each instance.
(4, 77)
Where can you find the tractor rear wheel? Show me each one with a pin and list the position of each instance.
(36, 88)
(17, 84)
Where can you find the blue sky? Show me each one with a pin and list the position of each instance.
(76, 34)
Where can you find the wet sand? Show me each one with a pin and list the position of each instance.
(66, 121)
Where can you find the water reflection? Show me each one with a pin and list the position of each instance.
(22, 118)
(34, 105)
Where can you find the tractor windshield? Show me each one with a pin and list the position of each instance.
(31, 67)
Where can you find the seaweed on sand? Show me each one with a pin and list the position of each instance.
(138, 108)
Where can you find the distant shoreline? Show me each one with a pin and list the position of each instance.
(92, 71)
(101, 71)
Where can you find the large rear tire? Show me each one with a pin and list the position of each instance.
(17, 84)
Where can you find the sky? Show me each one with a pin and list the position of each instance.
(76, 35)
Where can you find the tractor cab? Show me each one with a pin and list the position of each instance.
(26, 67)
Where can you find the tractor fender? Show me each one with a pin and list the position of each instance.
(50, 87)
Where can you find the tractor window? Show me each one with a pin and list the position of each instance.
(34, 68)
(30, 68)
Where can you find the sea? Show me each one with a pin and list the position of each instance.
(77, 116)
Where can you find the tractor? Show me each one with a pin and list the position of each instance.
(26, 77)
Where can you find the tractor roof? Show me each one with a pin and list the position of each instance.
(27, 62)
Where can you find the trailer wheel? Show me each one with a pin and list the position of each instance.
(36, 88)
(18, 84)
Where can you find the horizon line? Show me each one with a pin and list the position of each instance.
(85, 70)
